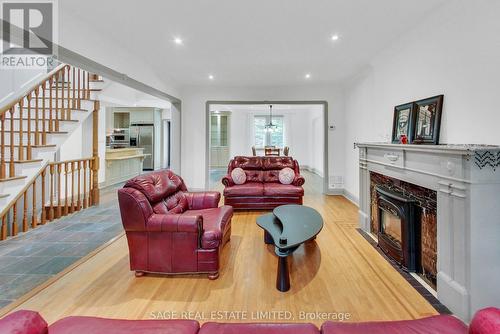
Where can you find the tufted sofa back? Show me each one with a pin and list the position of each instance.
(263, 169)
(163, 189)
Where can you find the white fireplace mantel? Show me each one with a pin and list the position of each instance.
(467, 181)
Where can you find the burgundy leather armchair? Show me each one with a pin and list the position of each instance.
(170, 230)
(262, 189)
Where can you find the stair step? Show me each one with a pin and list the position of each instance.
(71, 89)
(38, 146)
(64, 98)
(13, 178)
(47, 132)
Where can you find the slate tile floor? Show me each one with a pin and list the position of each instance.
(31, 258)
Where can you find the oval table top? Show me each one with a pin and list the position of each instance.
(291, 225)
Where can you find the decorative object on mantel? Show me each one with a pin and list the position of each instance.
(427, 120)
(402, 123)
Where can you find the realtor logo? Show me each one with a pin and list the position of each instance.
(28, 34)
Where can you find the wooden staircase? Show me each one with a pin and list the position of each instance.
(34, 188)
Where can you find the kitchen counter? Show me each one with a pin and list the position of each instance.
(123, 164)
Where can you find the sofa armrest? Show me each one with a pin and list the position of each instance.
(24, 322)
(184, 222)
(228, 180)
(298, 180)
(203, 200)
(135, 209)
(485, 321)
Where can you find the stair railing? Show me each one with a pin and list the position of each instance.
(60, 188)
(55, 96)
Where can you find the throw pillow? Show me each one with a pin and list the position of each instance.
(238, 175)
(286, 175)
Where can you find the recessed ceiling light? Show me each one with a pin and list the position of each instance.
(308, 76)
(211, 77)
(178, 40)
(335, 37)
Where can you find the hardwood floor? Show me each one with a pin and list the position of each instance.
(339, 272)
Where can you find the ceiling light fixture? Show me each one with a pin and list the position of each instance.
(178, 40)
(308, 76)
(335, 37)
(270, 127)
(211, 77)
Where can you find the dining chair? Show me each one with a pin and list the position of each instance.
(254, 151)
(286, 150)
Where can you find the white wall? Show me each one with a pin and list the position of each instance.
(455, 52)
(194, 113)
(15, 81)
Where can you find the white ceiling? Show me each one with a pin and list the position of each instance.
(252, 43)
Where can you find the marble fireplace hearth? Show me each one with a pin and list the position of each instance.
(466, 180)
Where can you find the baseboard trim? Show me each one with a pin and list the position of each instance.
(351, 197)
(335, 192)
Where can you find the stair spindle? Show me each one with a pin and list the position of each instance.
(28, 141)
(25, 211)
(44, 129)
(59, 204)
(3, 235)
(56, 114)
(14, 228)
(88, 85)
(78, 203)
(37, 119)
(68, 89)
(79, 89)
(51, 109)
(2, 148)
(73, 104)
(12, 167)
(44, 214)
(34, 221)
(84, 184)
(21, 148)
(52, 181)
(66, 189)
(72, 208)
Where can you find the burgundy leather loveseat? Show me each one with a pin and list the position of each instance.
(486, 321)
(170, 230)
(262, 189)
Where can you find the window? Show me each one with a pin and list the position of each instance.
(264, 138)
(218, 130)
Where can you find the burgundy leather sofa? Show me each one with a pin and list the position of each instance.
(170, 230)
(486, 321)
(262, 189)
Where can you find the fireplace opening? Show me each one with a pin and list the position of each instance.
(399, 228)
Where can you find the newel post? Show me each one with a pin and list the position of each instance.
(95, 153)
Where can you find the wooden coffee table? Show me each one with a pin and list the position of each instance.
(287, 227)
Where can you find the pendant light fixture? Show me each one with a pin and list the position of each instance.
(270, 127)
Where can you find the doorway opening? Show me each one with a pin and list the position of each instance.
(297, 129)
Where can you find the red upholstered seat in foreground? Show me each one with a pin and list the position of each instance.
(256, 328)
(441, 324)
(486, 321)
(262, 189)
(171, 230)
(92, 325)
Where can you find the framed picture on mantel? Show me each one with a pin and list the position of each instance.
(402, 122)
(427, 120)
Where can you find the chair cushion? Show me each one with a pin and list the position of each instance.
(92, 325)
(254, 175)
(157, 185)
(258, 328)
(175, 203)
(271, 176)
(238, 175)
(247, 189)
(283, 190)
(215, 221)
(286, 175)
(25, 322)
(440, 324)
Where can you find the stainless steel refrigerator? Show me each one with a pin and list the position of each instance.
(142, 136)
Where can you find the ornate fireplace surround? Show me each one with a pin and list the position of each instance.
(466, 179)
